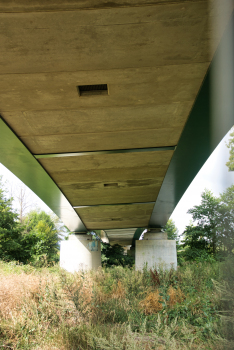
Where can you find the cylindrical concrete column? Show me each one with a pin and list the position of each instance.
(156, 251)
(80, 252)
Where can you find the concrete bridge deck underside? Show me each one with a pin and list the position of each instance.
(104, 159)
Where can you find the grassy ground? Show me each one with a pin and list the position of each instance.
(111, 309)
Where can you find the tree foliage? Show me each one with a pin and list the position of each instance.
(230, 145)
(226, 224)
(172, 231)
(10, 230)
(40, 238)
(114, 255)
(212, 231)
(207, 217)
(35, 240)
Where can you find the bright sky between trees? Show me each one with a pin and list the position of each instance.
(214, 175)
(10, 180)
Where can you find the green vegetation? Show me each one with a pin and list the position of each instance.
(34, 240)
(117, 307)
(225, 289)
(210, 236)
(172, 231)
(10, 230)
(114, 256)
(230, 145)
(40, 238)
(113, 308)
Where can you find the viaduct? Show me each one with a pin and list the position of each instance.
(109, 108)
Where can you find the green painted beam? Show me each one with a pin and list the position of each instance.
(137, 235)
(211, 118)
(18, 159)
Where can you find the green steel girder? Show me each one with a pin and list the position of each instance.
(18, 159)
(211, 117)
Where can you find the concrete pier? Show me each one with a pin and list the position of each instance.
(156, 251)
(79, 253)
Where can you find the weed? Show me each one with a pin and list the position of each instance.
(155, 277)
(112, 308)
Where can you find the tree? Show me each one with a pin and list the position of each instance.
(33, 240)
(230, 145)
(207, 217)
(113, 255)
(172, 231)
(213, 227)
(195, 242)
(226, 224)
(41, 238)
(10, 230)
(21, 197)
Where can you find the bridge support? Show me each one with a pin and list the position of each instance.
(79, 253)
(156, 251)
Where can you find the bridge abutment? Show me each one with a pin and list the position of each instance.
(156, 251)
(79, 253)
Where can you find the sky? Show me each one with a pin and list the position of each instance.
(214, 175)
(12, 184)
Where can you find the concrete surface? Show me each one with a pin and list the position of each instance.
(79, 253)
(155, 252)
(153, 55)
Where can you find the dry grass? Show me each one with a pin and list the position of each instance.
(154, 301)
(118, 292)
(79, 292)
(87, 311)
(175, 296)
(15, 290)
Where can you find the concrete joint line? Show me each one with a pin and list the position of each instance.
(107, 205)
(77, 154)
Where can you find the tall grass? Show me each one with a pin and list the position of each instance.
(113, 308)
(225, 288)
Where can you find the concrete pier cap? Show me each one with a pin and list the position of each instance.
(155, 251)
(80, 253)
